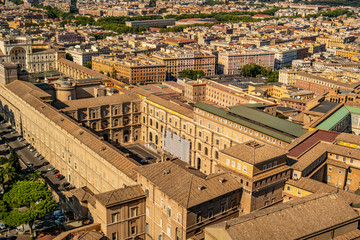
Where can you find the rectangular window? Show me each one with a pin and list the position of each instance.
(329, 178)
(133, 230)
(239, 166)
(275, 163)
(114, 236)
(288, 188)
(168, 231)
(264, 167)
(244, 168)
(228, 162)
(233, 164)
(299, 192)
(114, 217)
(133, 212)
(348, 181)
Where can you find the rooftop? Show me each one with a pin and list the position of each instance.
(254, 152)
(311, 214)
(185, 185)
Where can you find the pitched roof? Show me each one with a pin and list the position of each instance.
(254, 152)
(315, 186)
(348, 137)
(187, 186)
(99, 101)
(349, 236)
(307, 140)
(120, 195)
(86, 137)
(257, 120)
(290, 220)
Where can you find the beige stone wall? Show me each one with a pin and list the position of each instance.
(78, 163)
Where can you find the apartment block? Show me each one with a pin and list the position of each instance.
(232, 62)
(132, 71)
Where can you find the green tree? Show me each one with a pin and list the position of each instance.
(69, 57)
(27, 201)
(88, 65)
(14, 161)
(191, 74)
(252, 70)
(273, 76)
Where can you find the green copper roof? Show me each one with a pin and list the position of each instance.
(330, 122)
(260, 121)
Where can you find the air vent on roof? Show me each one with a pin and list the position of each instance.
(166, 172)
(81, 132)
(222, 180)
(103, 148)
(201, 187)
(42, 107)
(62, 119)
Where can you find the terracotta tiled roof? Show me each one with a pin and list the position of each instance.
(86, 137)
(254, 152)
(188, 187)
(120, 195)
(290, 220)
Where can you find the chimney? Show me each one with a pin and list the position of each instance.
(226, 225)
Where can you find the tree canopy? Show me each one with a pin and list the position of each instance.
(253, 70)
(192, 74)
(26, 202)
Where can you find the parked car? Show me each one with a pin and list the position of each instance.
(32, 149)
(61, 177)
(55, 171)
(41, 157)
(65, 184)
(149, 158)
(45, 163)
(36, 154)
(28, 145)
(2, 226)
(20, 139)
(29, 164)
(51, 168)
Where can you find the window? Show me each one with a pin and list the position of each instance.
(270, 165)
(133, 212)
(160, 237)
(223, 207)
(161, 222)
(349, 171)
(348, 181)
(147, 228)
(146, 192)
(239, 166)
(210, 212)
(114, 217)
(233, 164)
(198, 217)
(288, 188)
(275, 163)
(169, 211)
(228, 162)
(199, 134)
(244, 168)
(330, 169)
(133, 230)
(216, 155)
(114, 236)
(217, 141)
(199, 146)
(264, 167)
(168, 231)
(299, 192)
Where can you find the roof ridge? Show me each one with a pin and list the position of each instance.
(112, 193)
(187, 203)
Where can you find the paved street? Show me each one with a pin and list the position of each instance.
(26, 156)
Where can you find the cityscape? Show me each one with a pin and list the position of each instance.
(179, 119)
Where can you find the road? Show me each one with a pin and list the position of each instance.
(27, 156)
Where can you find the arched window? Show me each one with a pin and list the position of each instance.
(116, 122)
(150, 122)
(93, 125)
(156, 139)
(206, 151)
(216, 155)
